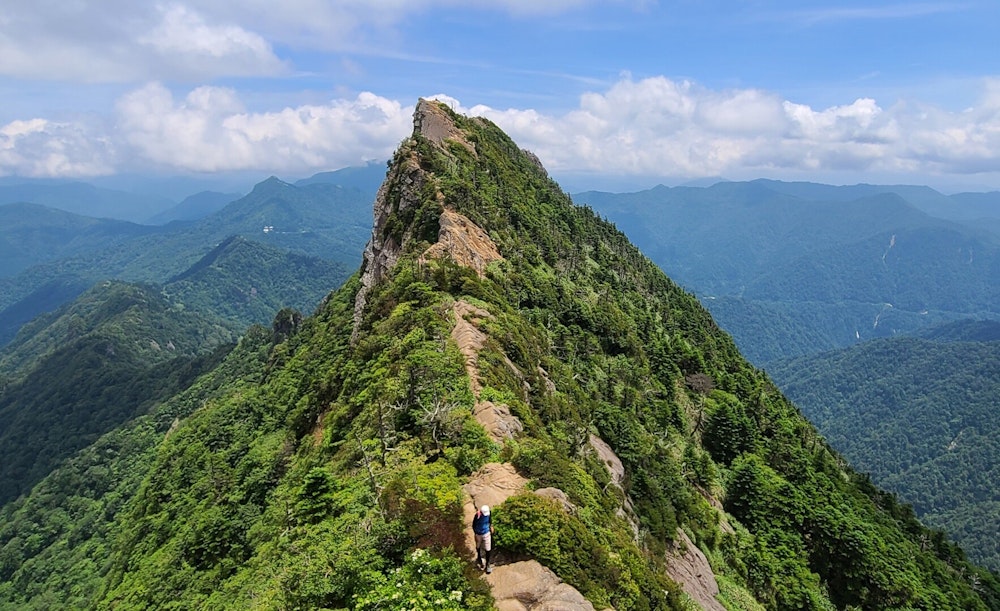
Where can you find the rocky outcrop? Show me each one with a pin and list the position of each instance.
(399, 191)
(614, 464)
(529, 586)
(524, 585)
(405, 184)
(432, 121)
(688, 566)
(463, 242)
(558, 496)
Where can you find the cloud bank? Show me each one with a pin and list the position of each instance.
(649, 127)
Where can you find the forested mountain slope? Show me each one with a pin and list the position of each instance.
(919, 414)
(31, 234)
(244, 282)
(496, 329)
(55, 543)
(798, 268)
(89, 368)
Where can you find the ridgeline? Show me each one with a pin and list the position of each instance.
(499, 345)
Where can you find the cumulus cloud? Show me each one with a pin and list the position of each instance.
(209, 130)
(122, 40)
(191, 40)
(42, 148)
(649, 127)
(659, 126)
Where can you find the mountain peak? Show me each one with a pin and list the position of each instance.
(435, 121)
(411, 209)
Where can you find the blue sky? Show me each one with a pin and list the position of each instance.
(624, 92)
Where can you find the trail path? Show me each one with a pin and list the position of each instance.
(527, 585)
(523, 585)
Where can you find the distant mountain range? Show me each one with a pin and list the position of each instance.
(50, 256)
(794, 268)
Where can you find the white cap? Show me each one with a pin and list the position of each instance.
(485, 510)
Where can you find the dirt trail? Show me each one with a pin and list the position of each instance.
(496, 418)
(517, 586)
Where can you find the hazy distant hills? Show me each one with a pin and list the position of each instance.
(83, 199)
(793, 268)
(32, 234)
(53, 255)
(919, 413)
(194, 207)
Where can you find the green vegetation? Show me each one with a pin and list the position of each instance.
(920, 416)
(89, 368)
(305, 224)
(55, 543)
(244, 282)
(332, 479)
(796, 268)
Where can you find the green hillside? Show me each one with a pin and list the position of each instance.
(89, 368)
(919, 414)
(497, 330)
(31, 234)
(244, 282)
(55, 543)
(319, 221)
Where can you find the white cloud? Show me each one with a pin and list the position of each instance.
(649, 127)
(209, 131)
(38, 147)
(192, 40)
(658, 126)
(123, 40)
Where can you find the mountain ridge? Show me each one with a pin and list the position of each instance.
(342, 476)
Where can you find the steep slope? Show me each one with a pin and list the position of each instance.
(920, 416)
(55, 543)
(244, 282)
(340, 480)
(88, 368)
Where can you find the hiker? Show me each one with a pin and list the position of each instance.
(482, 527)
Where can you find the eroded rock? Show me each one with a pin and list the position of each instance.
(688, 566)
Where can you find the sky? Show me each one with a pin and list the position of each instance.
(613, 92)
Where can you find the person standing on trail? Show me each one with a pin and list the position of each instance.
(482, 528)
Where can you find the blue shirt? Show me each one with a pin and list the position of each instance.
(481, 523)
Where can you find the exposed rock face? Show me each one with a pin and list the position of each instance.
(401, 189)
(458, 238)
(529, 586)
(464, 242)
(491, 485)
(524, 585)
(614, 464)
(689, 567)
(557, 495)
(431, 121)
